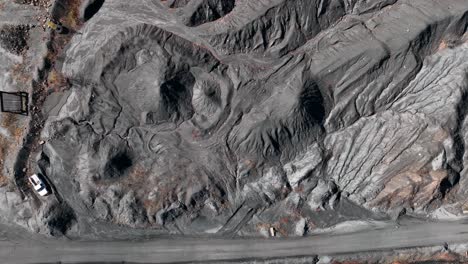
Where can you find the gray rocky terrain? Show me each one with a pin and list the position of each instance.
(228, 117)
(232, 116)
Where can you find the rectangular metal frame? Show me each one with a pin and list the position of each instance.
(23, 98)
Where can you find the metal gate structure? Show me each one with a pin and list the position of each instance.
(16, 103)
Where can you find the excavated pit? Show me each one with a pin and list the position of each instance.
(91, 8)
(118, 165)
(210, 10)
(176, 97)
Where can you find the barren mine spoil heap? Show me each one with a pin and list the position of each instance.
(234, 116)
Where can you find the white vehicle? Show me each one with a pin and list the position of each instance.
(38, 185)
(272, 232)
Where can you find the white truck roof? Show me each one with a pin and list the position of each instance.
(38, 185)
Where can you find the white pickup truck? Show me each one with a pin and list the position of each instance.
(38, 185)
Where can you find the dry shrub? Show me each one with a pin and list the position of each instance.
(39, 3)
(164, 197)
(443, 45)
(151, 207)
(10, 123)
(299, 189)
(436, 257)
(3, 180)
(3, 149)
(56, 80)
(136, 179)
(285, 220)
(18, 133)
(261, 226)
(8, 120)
(72, 18)
(464, 206)
(20, 74)
(4, 146)
(449, 257)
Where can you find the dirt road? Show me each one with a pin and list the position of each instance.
(410, 234)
